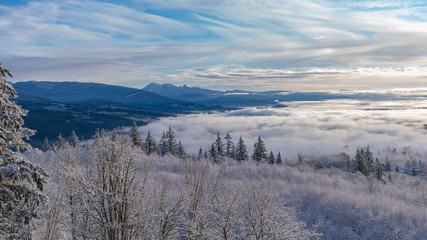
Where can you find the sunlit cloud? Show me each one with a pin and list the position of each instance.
(293, 44)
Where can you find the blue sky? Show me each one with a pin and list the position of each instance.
(219, 44)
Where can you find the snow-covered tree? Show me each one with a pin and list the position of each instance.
(46, 145)
(229, 146)
(271, 159)
(150, 145)
(241, 153)
(163, 144)
(260, 153)
(219, 148)
(59, 141)
(74, 140)
(171, 145)
(21, 182)
(213, 154)
(180, 150)
(134, 134)
(279, 158)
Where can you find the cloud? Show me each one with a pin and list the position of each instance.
(326, 127)
(274, 42)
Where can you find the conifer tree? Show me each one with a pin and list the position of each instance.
(134, 134)
(171, 146)
(200, 155)
(213, 154)
(46, 145)
(260, 153)
(219, 146)
(279, 158)
(181, 151)
(300, 161)
(241, 153)
(21, 182)
(397, 169)
(60, 141)
(379, 170)
(150, 145)
(271, 159)
(163, 144)
(74, 140)
(229, 146)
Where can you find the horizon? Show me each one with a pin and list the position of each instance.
(248, 45)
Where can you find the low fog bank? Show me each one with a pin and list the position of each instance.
(309, 128)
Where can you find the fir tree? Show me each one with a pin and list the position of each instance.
(150, 145)
(271, 159)
(21, 182)
(60, 141)
(397, 169)
(279, 158)
(134, 134)
(74, 140)
(229, 146)
(213, 154)
(300, 161)
(260, 153)
(114, 135)
(163, 144)
(379, 170)
(241, 153)
(181, 151)
(200, 155)
(46, 145)
(171, 146)
(219, 146)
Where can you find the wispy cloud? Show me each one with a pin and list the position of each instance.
(134, 43)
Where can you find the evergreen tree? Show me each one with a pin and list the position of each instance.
(46, 145)
(21, 182)
(300, 161)
(279, 158)
(213, 154)
(74, 140)
(241, 153)
(163, 144)
(181, 151)
(260, 153)
(379, 170)
(219, 146)
(150, 145)
(171, 146)
(271, 159)
(200, 155)
(369, 159)
(60, 141)
(229, 146)
(397, 169)
(114, 135)
(134, 134)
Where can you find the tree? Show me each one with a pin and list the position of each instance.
(279, 158)
(300, 161)
(163, 144)
(271, 159)
(229, 146)
(21, 182)
(219, 146)
(260, 153)
(46, 145)
(134, 134)
(74, 140)
(59, 141)
(168, 143)
(241, 153)
(150, 145)
(181, 151)
(213, 154)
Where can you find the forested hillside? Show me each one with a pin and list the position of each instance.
(113, 187)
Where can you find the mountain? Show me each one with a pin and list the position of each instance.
(184, 92)
(76, 92)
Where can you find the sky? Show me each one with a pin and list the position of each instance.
(297, 45)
